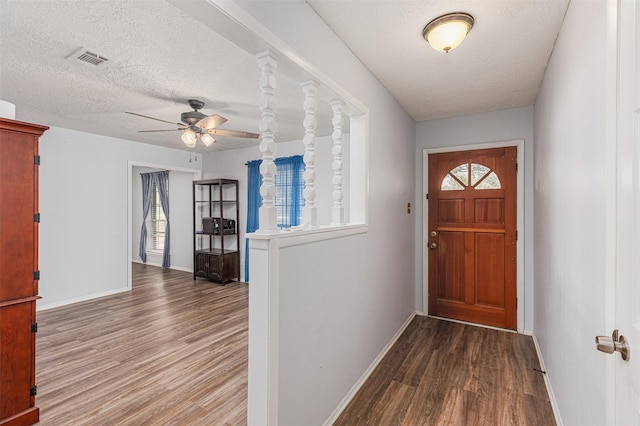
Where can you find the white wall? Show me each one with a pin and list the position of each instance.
(230, 164)
(180, 216)
(496, 126)
(342, 300)
(569, 195)
(84, 209)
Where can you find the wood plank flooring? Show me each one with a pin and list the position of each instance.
(445, 373)
(173, 351)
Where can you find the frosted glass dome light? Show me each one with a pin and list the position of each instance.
(447, 32)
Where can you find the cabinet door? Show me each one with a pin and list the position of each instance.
(230, 266)
(202, 265)
(215, 267)
(18, 203)
(17, 358)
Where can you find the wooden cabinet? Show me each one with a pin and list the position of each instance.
(19, 273)
(217, 266)
(216, 238)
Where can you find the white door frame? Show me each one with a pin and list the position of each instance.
(197, 174)
(519, 144)
(623, 206)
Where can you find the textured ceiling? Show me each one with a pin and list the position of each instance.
(159, 57)
(500, 64)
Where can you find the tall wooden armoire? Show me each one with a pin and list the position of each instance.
(19, 273)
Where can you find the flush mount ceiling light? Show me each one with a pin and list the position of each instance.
(447, 32)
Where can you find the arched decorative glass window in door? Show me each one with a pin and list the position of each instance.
(474, 175)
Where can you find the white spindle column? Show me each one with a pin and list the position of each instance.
(268, 215)
(310, 211)
(337, 211)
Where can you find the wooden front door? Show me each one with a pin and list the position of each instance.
(472, 236)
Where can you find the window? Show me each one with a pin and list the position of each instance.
(477, 176)
(289, 197)
(157, 221)
(289, 190)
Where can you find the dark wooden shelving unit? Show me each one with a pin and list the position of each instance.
(216, 221)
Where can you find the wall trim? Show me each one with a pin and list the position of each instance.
(295, 237)
(159, 265)
(547, 382)
(44, 307)
(356, 387)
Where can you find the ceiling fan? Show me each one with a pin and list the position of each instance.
(196, 124)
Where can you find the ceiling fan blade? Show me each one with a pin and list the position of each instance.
(211, 122)
(152, 118)
(172, 130)
(233, 133)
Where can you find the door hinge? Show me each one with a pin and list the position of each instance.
(516, 167)
(36, 275)
(33, 391)
(36, 217)
(516, 235)
(36, 160)
(34, 327)
(427, 196)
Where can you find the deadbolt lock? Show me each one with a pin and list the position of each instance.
(615, 343)
(434, 233)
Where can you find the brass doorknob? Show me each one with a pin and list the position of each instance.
(433, 245)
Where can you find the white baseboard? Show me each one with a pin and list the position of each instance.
(43, 306)
(159, 265)
(356, 387)
(40, 306)
(547, 382)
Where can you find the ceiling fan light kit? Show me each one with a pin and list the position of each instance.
(198, 125)
(207, 139)
(447, 32)
(189, 138)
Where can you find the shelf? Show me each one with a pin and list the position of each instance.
(215, 251)
(214, 209)
(214, 235)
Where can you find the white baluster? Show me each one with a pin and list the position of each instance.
(268, 214)
(310, 211)
(337, 212)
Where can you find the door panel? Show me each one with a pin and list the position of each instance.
(451, 211)
(489, 210)
(17, 231)
(472, 243)
(451, 279)
(489, 265)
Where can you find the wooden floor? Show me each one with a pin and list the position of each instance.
(445, 373)
(174, 352)
(170, 352)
